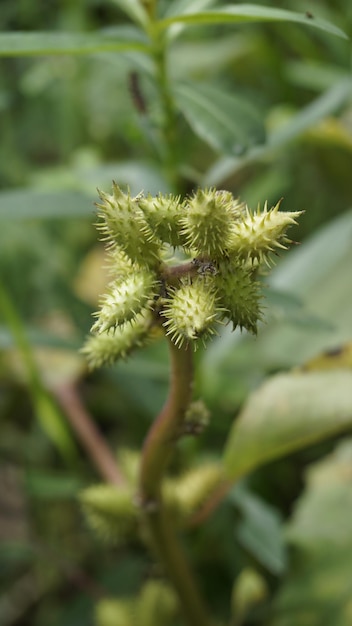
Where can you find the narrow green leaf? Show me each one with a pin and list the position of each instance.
(44, 43)
(315, 75)
(182, 7)
(39, 337)
(51, 486)
(134, 9)
(245, 13)
(227, 122)
(305, 119)
(285, 306)
(29, 204)
(78, 199)
(288, 412)
(328, 102)
(54, 423)
(261, 529)
(47, 412)
(208, 57)
(319, 273)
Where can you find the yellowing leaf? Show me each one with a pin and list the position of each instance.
(288, 412)
(318, 589)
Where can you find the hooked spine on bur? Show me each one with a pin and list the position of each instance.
(223, 245)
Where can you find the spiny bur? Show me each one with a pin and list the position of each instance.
(186, 494)
(222, 247)
(261, 233)
(122, 222)
(163, 215)
(110, 512)
(105, 348)
(124, 299)
(190, 311)
(249, 590)
(208, 221)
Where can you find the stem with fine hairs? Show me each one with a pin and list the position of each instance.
(156, 455)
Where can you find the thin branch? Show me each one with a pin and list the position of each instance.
(210, 505)
(88, 434)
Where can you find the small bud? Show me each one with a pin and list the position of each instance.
(261, 233)
(196, 418)
(186, 494)
(129, 461)
(208, 222)
(110, 511)
(190, 312)
(240, 295)
(157, 604)
(105, 349)
(110, 612)
(125, 299)
(163, 214)
(250, 589)
(123, 223)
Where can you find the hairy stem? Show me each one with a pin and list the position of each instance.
(171, 554)
(156, 455)
(160, 441)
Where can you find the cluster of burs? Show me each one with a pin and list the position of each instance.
(181, 267)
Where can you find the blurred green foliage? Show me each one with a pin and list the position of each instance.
(263, 109)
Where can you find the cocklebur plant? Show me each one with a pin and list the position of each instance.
(179, 269)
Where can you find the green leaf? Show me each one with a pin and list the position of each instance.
(120, 39)
(245, 13)
(208, 57)
(51, 486)
(328, 102)
(318, 273)
(47, 412)
(227, 122)
(28, 203)
(20, 204)
(136, 174)
(261, 530)
(182, 7)
(134, 9)
(321, 107)
(39, 337)
(285, 306)
(318, 589)
(288, 412)
(317, 75)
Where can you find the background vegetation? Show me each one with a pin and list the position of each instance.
(77, 113)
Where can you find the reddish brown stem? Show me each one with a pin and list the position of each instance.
(211, 504)
(157, 451)
(88, 434)
(164, 432)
